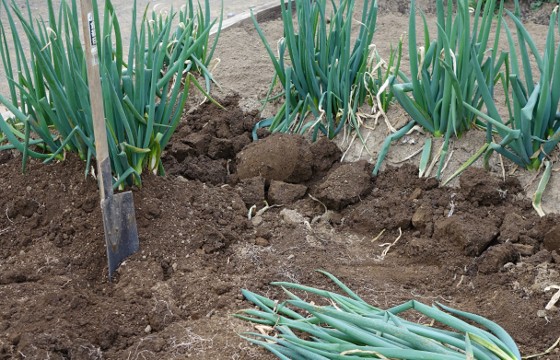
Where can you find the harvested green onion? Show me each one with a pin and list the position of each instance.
(350, 328)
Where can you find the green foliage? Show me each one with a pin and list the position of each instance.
(531, 130)
(323, 81)
(378, 76)
(441, 78)
(349, 328)
(144, 91)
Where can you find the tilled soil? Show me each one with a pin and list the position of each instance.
(232, 213)
(479, 248)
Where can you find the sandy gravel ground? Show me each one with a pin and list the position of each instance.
(124, 8)
(124, 11)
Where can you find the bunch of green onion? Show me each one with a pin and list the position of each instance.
(144, 92)
(350, 329)
(441, 77)
(531, 130)
(380, 74)
(323, 77)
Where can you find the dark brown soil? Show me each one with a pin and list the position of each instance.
(536, 11)
(479, 248)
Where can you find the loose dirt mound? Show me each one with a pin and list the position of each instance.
(478, 248)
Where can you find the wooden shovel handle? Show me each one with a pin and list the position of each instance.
(96, 98)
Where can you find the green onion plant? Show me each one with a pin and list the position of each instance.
(441, 77)
(349, 328)
(203, 55)
(320, 67)
(530, 130)
(144, 91)
(378, 74)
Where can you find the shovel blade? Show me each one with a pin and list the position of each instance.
(121, 233)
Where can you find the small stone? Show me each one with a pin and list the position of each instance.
(292, 216)
(422, 217)
(257, 220)
(416, 194)
(524, 250)
(262, 242)
(148, 329)
(556, 257)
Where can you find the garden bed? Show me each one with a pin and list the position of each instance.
(479, 247)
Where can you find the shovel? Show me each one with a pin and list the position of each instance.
(119, 221)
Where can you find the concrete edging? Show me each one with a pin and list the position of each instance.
(262, 12)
